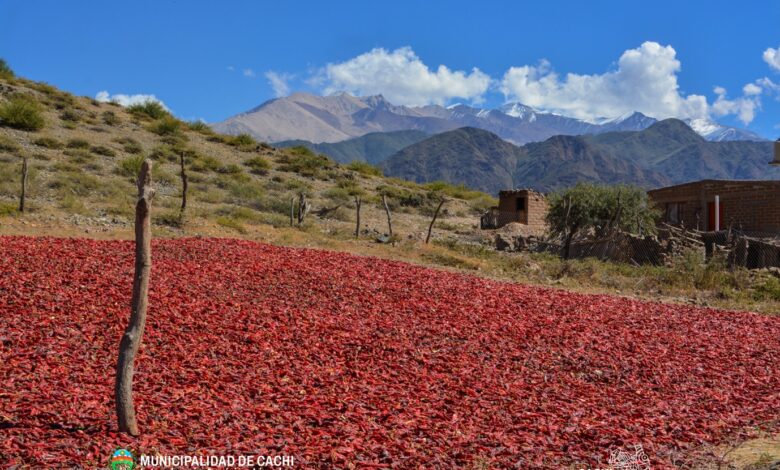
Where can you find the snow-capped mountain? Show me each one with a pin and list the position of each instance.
(317, 119)
(715, 132)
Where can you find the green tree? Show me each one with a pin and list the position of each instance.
(601, 209)
(5, 70)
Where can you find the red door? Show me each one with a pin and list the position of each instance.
(711, 215)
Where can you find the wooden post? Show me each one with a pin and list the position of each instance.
(433, 221)
(357, 221)
(24, 184)
(292, 211)
(183, 185)
(131, 340)
(303, 207)
(389, 221)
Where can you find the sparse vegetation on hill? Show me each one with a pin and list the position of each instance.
(87, 156)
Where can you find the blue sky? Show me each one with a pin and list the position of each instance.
(211, 60)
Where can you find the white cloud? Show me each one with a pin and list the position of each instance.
(126, 100)
(644, 80)
(744, 108)
(403, 78)
(279, 82)
(772, 57)
(249, 73)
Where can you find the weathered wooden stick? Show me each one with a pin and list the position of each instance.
(131, 340)
(24, 184)
(292, 211)
(433, 221)
(183, 185)
(357, 221)
(389, 221)
(303, 207)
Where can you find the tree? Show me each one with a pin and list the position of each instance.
(600, 209)
(358, 203)
(131, 340)
(5, 70)
(389, 219)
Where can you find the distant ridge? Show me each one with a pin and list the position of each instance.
(667, 152)
(335, 118)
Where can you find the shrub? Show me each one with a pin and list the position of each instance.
(204, 163)
(364, 168)
(130, 166)
(243, 142)
(22, 112)
(7, 144)
(70, 115)
(48, 142)
(258, 165)
(166, 125)
(303, 161)
(168, 218)
(78, 144)
(110, 118)
(149, 109)
(103, 150)
(5, 71)
(200, 126)
(129, 145)
(79, 156)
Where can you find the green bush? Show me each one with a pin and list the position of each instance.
(78, 144)
(303, 161)
(364, 168)
(70, 115)
(48, 142)
(167, 125)
(130, 145)
(22, 112)
(204, 163)
(149, 109)
(103, 150)
(130, 166)
(258, 165)
(5, 71)
(79, 156)
(200, 126)
(7, 144)
(243, 142)
(110, 118)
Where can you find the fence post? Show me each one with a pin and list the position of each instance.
(435, 214)
(389, 221)
(131, 340)
(24, 184)
(357, 220)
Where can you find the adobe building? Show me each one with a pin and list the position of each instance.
(750, 206)
(524, 206)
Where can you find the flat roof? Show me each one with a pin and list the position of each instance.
(691, 183)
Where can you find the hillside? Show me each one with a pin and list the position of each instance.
(667, 152)
(84, 158)
(372, 148)
(318, 119)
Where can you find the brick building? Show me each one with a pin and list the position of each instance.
(524, 206)
(752, 206)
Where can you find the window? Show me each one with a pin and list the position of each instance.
(520, 204)
(674, 212)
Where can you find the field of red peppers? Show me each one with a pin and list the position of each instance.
(344, 361)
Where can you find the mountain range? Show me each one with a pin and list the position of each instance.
(335, 118)
(667, 152)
